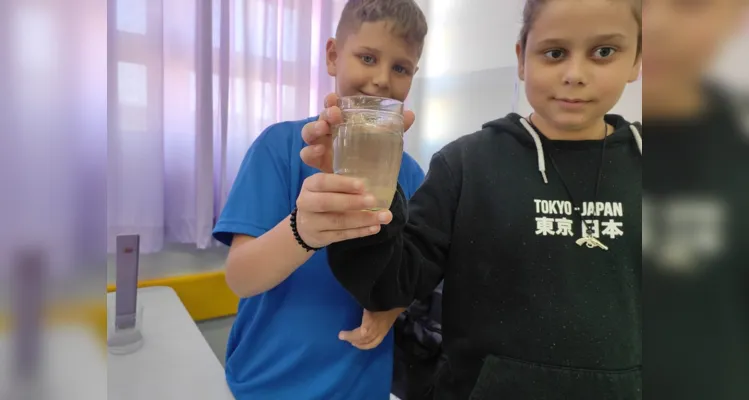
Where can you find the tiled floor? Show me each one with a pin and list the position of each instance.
(216, 332)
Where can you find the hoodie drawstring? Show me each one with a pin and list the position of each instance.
(540, 148)
(638, 137)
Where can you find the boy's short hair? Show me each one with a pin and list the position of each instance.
(408, 21)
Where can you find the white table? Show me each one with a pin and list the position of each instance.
(73, 366)
(175, 361)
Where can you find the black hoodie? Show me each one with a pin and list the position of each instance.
(528, 312)
(696, 251)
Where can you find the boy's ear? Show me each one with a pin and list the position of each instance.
(636, 70)
(331, 55)
(521, 60)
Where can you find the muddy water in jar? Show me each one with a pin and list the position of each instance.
(369, 145)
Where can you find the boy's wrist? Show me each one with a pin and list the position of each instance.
(295, 232)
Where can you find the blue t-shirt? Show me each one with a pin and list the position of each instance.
(284, 343)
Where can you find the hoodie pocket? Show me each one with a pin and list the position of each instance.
(506, 378)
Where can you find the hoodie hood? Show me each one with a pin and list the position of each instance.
(522, 130)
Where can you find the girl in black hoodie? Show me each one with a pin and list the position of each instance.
(534, 223)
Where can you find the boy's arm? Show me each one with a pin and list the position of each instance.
(407, 259)
(255, 219)
(256, 265)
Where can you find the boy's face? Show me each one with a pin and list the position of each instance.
(372, 61)
(683, 38)
(579, 57)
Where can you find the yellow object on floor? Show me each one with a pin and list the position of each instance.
(205, 296)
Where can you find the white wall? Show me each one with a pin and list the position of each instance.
(731, 66)
(470, 35)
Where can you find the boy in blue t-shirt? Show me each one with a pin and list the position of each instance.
(294, 335)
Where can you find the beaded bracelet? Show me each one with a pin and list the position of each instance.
(296, 234)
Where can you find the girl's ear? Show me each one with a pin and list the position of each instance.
(634, 75)
(520, 52)
(331, 55)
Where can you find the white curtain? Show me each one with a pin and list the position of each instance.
(192, 83)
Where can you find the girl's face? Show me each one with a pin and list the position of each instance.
(579, 56)
(684, 37)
